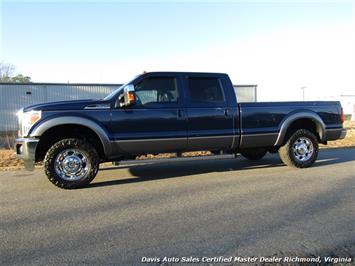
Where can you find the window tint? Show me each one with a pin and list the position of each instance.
(205, 90)
(156, 90)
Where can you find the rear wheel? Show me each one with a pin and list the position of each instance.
(71, 163)
(300, 150)
(254, 154)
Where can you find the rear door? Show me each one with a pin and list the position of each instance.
(210, 119)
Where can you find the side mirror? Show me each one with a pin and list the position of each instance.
(128, 97)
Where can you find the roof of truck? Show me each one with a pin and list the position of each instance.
(183, 72)
(111, 84)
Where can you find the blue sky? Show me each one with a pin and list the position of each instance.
(83, 41)
(99, 31)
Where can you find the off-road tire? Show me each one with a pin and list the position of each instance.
(254, 154)
(62, 145)
(286, 151)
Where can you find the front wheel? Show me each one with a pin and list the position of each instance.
(71, 163)
(300, 150)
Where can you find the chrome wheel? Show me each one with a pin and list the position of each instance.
(302, 149)
(72, 164)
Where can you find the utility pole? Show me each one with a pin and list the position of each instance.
(303, 88)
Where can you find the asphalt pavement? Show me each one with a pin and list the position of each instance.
(204, 207)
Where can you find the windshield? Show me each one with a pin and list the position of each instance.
(117, 91)
(114, 92)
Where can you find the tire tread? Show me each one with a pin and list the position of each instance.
(285, 152)
(61, 145)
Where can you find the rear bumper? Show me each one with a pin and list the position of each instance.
(343, 134)
(336, 133)
(26, 151)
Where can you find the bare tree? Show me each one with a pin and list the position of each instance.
(7, 74)
(6, 71)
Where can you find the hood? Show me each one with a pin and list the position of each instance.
(67, 105)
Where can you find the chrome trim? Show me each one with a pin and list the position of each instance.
(72, 164)
(97, 107)
(259, 134)
(168, 139)
(140, 140)
(233, 141)
(302, 149)
(334, 129)
(211, 137)
(26, 151)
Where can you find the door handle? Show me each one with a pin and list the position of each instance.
(180, 114)
(226, 112)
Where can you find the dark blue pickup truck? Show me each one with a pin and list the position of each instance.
(170, 112)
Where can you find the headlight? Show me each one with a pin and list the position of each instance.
(27, 120)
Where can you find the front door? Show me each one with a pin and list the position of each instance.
(156, 122)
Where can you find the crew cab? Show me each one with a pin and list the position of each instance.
(161, 112)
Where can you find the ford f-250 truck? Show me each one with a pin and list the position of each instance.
(162, 112)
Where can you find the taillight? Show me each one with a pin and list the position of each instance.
(342, 116)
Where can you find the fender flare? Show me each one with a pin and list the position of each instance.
(301, 115)
(41, 128)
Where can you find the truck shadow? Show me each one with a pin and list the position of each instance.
(175, 168)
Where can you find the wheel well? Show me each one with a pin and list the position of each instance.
(303, 123)
(57, 133)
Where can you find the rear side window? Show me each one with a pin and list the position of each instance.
(205, 90)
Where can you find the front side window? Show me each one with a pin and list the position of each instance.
(156, 90)
(204, 90)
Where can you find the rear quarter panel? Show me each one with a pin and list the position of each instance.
(261, 122)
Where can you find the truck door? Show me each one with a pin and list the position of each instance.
(210, 119)
(156, 122)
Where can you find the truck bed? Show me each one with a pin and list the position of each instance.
(261, 122)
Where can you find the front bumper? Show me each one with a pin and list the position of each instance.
(26, 151)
